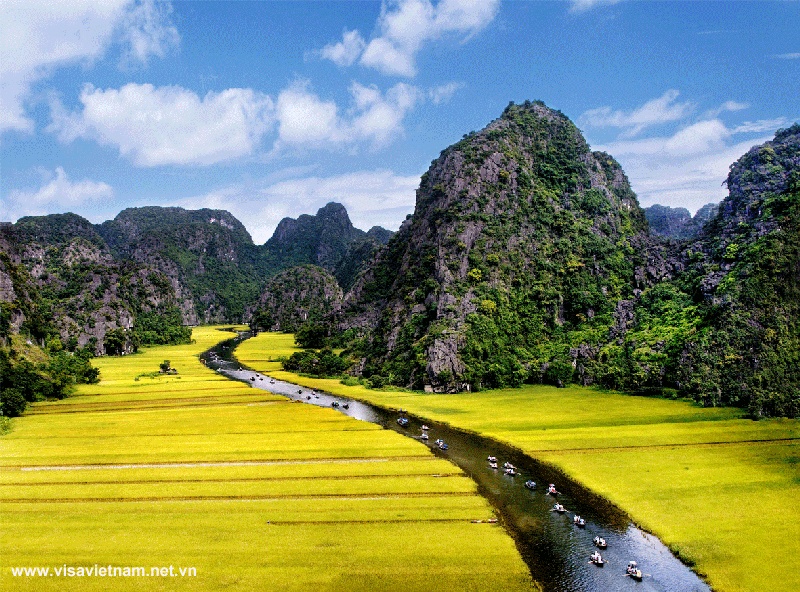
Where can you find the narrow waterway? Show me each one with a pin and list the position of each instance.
(555, 549)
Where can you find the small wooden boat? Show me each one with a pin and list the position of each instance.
(492, 465)
(491, 459)
(424, 436)
(308, 397)
(402, 422)
(551, 489)
(441, 444)
(579, 522)
(508, 465)
(633, 571)
(599, 542)
(424, 428)
(530, 484)
(253, 378)
(335, 404)
(597, 559)
(511, 472)
(272, 381)
(558, 508)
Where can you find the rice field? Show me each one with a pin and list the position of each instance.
(251, 490)
(722, 491)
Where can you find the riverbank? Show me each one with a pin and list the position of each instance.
(251, 490)
(720, 490)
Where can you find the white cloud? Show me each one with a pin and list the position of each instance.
(305, 120)
(372, 198)
(664, 109)
(147, 31)
(686, 168)
(788, 56)
(404, 27)
(585, 5)
(443, 93)
(169, 125)
(39, 36)
(56, 195)
(762, 125)
(346, 51)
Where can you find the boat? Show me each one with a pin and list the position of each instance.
(253, 378)
(345, 405)
(600, 542)
(424, 436)
(530, 484)
(335, 404)
(597, 559)
(272, 381)
(492, 459)
(308, 397)
(300, 392)
(440, 443)
(492, 465)
(402, 422)
(551, 489)
(558, 508)
(510, 472)
(633, 571)
(579, 522)
(424, 427)
(508, 465)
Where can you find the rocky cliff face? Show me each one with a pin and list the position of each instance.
(298, 295)
(328, 240)
(60, 277)
(678, 223)
(521, 244)
(208, 256)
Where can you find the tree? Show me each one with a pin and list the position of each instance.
(312, 336)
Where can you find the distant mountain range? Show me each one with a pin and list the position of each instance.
(184, 267)
(527, 259)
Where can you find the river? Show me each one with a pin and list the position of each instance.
(556, 551)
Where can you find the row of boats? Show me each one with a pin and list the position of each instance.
(596, 558)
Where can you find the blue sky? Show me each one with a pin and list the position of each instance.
(272, 109)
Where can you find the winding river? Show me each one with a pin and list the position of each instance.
(556, 551)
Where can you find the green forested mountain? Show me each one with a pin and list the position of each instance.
(520, 246)
(678, 223)
(328, 240)
(298, 295)
(62, 282)
(208, 256)
(528, 258)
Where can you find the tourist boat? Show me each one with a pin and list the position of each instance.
(558, 508)
(402, 422)
(508, 465)
(600, 542)
(492, 459)
(597, 559)
(335, 404)
(492, 465)
(551, 489)
(530, 484)
(440, 443)
(346, 405)
(424, 436)
(510, 471)
(272, 381)
(253, 378)
(424, 427)
(579, 522)
(633, 571)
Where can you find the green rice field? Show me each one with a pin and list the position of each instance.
(251, 490)
(722, 491)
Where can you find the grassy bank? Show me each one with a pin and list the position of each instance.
(721, 490)
(253, 491)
